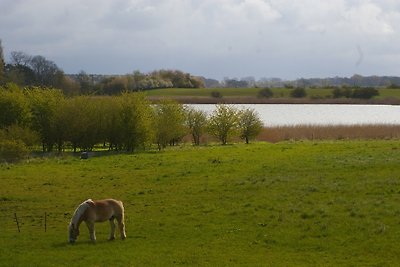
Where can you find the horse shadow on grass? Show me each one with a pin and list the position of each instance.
(66, 244)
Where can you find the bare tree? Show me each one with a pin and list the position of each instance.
(20, 58)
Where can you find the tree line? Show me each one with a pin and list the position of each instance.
(28, 70)
(35, 116)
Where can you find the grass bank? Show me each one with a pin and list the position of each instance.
(287, 204)
(281, 96)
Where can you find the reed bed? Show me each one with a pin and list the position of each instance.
(329, 132)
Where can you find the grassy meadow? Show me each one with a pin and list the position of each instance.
(305, 203)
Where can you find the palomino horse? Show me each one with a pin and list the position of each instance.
(97, 211)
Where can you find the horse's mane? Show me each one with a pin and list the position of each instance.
(80, 210)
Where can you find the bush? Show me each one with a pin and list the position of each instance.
(13, 150)
(216, 94)
(298, 92)
(365, 93)
(266, 92)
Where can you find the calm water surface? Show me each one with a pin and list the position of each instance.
(281, 114)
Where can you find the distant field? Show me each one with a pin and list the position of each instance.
(278, 92)
(325, 203)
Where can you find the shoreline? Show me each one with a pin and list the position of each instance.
(256, 100)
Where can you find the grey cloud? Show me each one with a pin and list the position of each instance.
(285, 38)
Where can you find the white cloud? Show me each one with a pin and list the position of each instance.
(368, 18)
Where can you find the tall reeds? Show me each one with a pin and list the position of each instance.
(330, 132)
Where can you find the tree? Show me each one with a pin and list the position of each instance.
(250, 125)
(14, 107)
(169, 123)
(85, 83)
(223, 122)
(43, 105)
(20, 58)
(115, 85)
(46, 72)
(135, 121)
(196, 122)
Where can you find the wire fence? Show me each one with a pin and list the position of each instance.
(20, 222)
(34, 222)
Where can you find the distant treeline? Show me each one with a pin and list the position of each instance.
(27, 70)
(137, 81)
(354, 81)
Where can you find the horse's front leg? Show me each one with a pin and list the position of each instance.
(112, 233)
(92, 233)
(121, 226)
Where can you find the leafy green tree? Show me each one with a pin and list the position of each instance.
(196, 122)
(250, 125)
(14, 106)
(223, 122)
(169, 118)
(43, 105)
(77, 124)
(135, 121)
(112, 124)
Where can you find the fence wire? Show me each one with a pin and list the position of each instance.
(32, 222)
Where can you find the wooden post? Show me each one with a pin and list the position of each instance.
(16, 220)
(45, 222)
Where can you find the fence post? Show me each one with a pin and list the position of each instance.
(16, 220)
(45, 222)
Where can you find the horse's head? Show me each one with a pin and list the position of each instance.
(73, 232)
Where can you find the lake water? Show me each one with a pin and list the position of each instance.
(295, 114)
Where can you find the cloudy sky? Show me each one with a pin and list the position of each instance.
(213, 38)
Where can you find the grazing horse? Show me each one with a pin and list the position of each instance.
(97, 211)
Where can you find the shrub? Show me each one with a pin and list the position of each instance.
(13, 150)
(365, 93)
(266, 92)
(216, 94)
(298, 92)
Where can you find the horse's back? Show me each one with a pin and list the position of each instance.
(108, 208)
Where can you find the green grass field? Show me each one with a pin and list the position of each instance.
(326, 203)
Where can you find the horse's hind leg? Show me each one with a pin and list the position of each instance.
(112, 233)
(121, 226)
